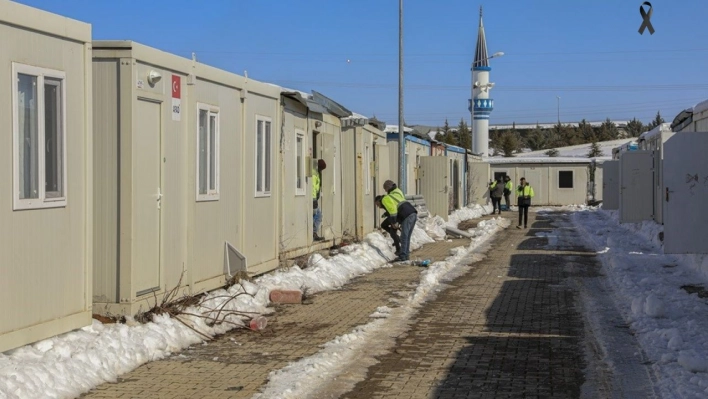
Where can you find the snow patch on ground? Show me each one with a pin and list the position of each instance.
(670, 324)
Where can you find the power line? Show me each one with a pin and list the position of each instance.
(615, 88)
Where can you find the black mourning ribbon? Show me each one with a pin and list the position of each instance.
(646, 19)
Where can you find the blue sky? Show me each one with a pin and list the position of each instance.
(588, 53)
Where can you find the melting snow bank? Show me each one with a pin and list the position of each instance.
(73, 363)
(343, 361)
(670, 324)
(435, 225)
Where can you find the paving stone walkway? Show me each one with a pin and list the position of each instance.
(508, 328)
(237, 364)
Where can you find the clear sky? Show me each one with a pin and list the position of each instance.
(588, 53)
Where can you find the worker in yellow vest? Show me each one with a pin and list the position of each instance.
(508, 186)
(316, 191)
(403, 213)
(524, 193)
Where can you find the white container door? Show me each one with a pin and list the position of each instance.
(147, 195)
(685, 194)
(434, 184)
(610, 185)
(636, 186)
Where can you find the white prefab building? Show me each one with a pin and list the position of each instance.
(457, 181)
(556, 181)
(45, 209)
(365, 167)
(610, 185)
(685, 173)
(654, 141)
(694, 119)
(185, 175)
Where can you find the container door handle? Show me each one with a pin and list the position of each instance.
(159, 197)
(667, 194)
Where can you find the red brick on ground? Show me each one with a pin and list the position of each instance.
(286, 296)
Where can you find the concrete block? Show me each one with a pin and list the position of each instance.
(286, 296)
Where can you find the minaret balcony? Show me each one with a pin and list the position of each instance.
(482, 105)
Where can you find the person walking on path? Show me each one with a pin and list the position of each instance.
(524, 193)
(496, 191)
(402, 212)
(316, 190)
(508, 186)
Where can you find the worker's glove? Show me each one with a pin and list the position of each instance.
(396, 226)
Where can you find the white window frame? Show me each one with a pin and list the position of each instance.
(302, 190)
(367, 170)
(211, 194)
(42, 201)
(263, 192)
(572, 181)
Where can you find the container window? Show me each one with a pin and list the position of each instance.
(39, 121)
(299, 164)
(263, 156)
(208, 153)
(565, 179)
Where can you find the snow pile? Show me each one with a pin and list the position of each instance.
(345, 353)
(70, 364)
(648, 229)
(657, 295)
(435, 227)
(467, 213)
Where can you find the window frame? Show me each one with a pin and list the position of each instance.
(212, 111)
(572, 181)
(367, 168)
(302, 190)
(42, 201)
(266, 177)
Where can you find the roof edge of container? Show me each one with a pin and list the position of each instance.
(45, 22)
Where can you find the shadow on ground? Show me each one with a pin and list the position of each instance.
(532, 342)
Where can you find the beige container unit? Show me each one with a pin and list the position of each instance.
(456, 160)
(416, 148)
(362, 145)
(326, 139)
(555, 182)
(174, 202)
(296, 182)
(46, 206)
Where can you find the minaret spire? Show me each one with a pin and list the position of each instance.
(480, 55)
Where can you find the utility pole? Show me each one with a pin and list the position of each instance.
(401, 134)
(559, 110)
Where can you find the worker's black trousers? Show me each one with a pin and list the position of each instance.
(524, 214)
(386, 225)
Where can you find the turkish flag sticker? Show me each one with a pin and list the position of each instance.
(176, 89)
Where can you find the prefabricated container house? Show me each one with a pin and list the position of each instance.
(45, 211)
(636, 186)
(556, 181)
(693, 119)
(456, 159)
(653, 141)
(416, 148)
(327, 145)
(362, 147)
(685, 174)
(185, 179)
(610, 185)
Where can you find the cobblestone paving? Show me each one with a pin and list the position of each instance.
(507, 329)
(237, 364)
